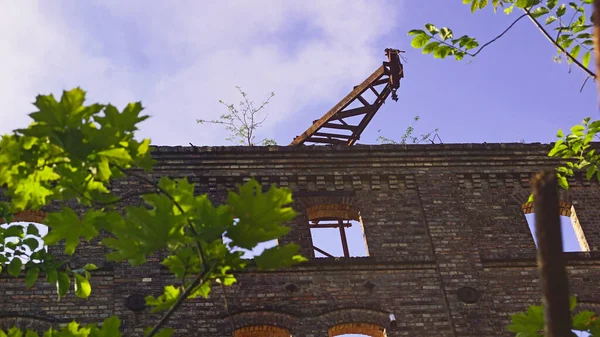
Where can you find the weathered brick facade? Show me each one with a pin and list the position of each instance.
(438, 219)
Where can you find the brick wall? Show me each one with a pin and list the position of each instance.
(438, 220)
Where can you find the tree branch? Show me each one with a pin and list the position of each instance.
(499, 36)
(555, 43)
(596, 21)
(186, 293)
(148, 181)
(485, 44)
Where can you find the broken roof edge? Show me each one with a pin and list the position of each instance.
(362, 148)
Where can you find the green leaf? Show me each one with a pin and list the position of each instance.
(90, 267)
(561, 10)
(540, 11)
(509, 10)
(279, 257)
(31, 276)
(560, 134)
(66, 225)
(550, 19)
(430, 47)
(582, 320)
(416, 32)
(551, 3)
(164, 301)
(419, 41)
(483, 4)
(63, 284)
(575, 51)
(586, 59)
(432, 29)
(563, 183)
(441, 52)
(474, 5)
(32, 243)
(14, 268)
(446, 33)
(260, 214)
(83, 289)
(30, 333)
(202, 290)
(33, 230)
(167, 332)
(110, 328)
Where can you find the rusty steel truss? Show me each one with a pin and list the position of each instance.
(339, 125)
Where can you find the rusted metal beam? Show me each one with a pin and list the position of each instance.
(322, 251)
(389, 75)
(331, 135)
(551, 263)
(344, 240)
(340, 126)
(353, 112)
(325, 141)
(340, 106)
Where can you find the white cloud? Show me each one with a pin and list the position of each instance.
(307, 52)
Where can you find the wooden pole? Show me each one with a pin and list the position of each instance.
(551, 264)
(596, 22)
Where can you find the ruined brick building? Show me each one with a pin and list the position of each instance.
(447, 248)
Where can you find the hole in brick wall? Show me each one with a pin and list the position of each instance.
(250, 254)
(338, 238)
(31, 239)
(572, 233)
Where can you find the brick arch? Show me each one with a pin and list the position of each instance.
(342, 317)
(341, 211)
(262, 331)
(368, 329)
(33, 216)
(261, 322)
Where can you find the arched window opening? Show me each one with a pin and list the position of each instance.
(337, 231)
(256, 251)
(572, 233)
(22, 240)
(262, 331)
(357, 330)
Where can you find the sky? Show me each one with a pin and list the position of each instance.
(181, 60)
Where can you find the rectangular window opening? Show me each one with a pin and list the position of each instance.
(338, 238)
(572, 233)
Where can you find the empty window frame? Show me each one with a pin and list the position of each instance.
(336, 231)
(572, 233)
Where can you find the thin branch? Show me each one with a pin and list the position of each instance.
(584, 82)
(499, 36)
(555, 43)
(178, 303)
(148, 181)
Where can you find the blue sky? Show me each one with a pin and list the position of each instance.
(180, 60)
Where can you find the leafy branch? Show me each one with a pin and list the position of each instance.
(574, 35)
(97, 144)
(408, 136)
(242, 122)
